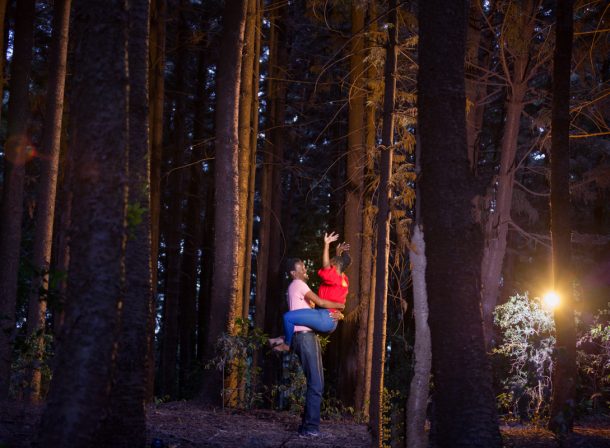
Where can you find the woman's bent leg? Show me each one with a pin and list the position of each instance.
(316, 319)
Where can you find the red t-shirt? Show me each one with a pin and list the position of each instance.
(334, 285)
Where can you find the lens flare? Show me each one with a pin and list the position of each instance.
(551, 299)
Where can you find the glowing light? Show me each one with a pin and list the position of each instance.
(551, 299)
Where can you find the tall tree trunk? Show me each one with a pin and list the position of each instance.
(464, 411)
(564, 375)
(274, 301)
(173, 239)
(262, 258)
(157, 94)
(383, 230)
(47, 188)
(246, 95)
(253, 145)
(356, 156)
(223, 304)
(125, 425)
(498, 219)
(79, 392)
(367, 263)
(16, 149)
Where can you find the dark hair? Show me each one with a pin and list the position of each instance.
(342, 261)
(291, 264)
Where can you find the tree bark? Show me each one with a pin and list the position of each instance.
(173, 240)
(79, 392)
(157, 94)
(223, 304)
(16, 150)
(354, 185)
(383, 230)
(464, 404)
(367, 264)
(498, 219)
(417, 404)
(47, 188)
(564, 375)
(125, 425)
(246, 95)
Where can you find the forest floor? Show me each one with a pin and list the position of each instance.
(188, 425)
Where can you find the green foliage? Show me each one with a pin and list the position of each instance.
(34, 351)
(593, 361)
(524, 360)
(392, 417)
(135, 217)
(528, 339)
(234, 356)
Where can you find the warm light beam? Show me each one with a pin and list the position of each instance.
(551, 299)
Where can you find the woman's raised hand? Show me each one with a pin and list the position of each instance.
(330, 238)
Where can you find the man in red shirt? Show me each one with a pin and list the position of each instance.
(333, 290)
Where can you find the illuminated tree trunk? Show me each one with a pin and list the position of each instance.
(79, 392)
(367, 263)
(417, 404)
(47, 188)
(464, 403)
(564, 375)
(16, 150)
(383, 231)
(356, 156)
(224, 299)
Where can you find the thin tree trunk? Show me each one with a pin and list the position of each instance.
(157, 94)
(464, 403)
(367, 264)
(417, 404)
(274, 301)
(245, 154)
(253, 145)
(262, 258)
(125, 425)
(47, 188)
(79, 392)
(383, 230)
(564, 375)
(16, 148)
(223, 304)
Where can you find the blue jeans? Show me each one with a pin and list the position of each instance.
(307, 348)
(316, 319)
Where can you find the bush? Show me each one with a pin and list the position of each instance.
(527, 345)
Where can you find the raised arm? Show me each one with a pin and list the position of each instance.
(325, 253)
(323, 303)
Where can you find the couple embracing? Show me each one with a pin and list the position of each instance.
(303, 321)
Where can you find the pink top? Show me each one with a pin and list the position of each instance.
(297, 301)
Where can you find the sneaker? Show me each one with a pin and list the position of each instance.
(309, 434)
